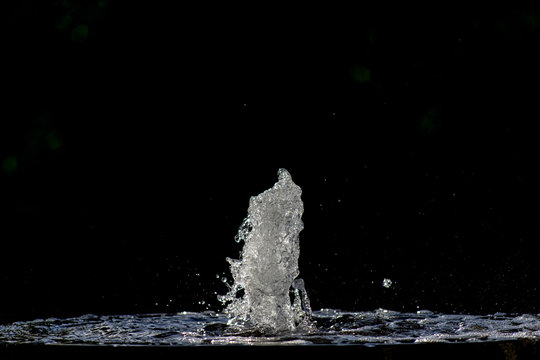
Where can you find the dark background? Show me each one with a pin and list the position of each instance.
(132, 136)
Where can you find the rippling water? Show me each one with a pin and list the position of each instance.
(331, 327)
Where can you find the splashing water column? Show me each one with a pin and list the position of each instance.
(268, 263)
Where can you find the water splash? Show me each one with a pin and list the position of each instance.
(267, 270)
(268, 303)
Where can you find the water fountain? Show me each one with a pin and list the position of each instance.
(269, 266)
(268, 304)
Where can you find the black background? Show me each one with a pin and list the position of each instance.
(132, 136)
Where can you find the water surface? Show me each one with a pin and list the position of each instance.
(331, 327)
